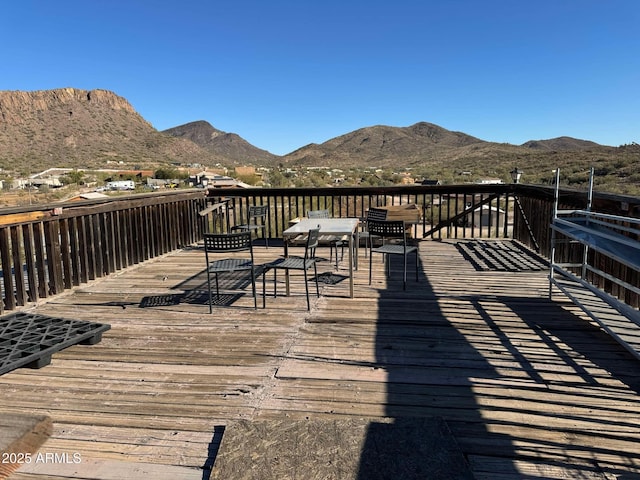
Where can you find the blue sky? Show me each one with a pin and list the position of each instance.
(285, 73)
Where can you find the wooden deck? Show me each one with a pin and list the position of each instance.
(529, 387)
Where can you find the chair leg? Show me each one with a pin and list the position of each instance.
(210, 293)
(264, 289)
(404, 273)
(253, 288)
(306, 289)
(275, 276)
(315, 273)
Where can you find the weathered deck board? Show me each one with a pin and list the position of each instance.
(528, 386)
(20, 438)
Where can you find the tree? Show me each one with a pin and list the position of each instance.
(165, 173)
(74, 176)
(277, 179)
(251, 179)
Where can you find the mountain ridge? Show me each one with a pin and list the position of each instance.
(230, 145)
(83, 129)
(77, 128)
(385, 145)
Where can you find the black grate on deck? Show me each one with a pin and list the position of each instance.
(28, 339)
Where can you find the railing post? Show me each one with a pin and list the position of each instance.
(7, 279)
(54, 264)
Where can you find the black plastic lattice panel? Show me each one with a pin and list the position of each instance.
(28, 339)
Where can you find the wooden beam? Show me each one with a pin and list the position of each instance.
(24, 217)
(468, 211)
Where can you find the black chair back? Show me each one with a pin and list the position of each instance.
(387, 228)
(258, 211)
(395, 230)
(312, 243)
(216, 243)
(228, 242)
(377, 214)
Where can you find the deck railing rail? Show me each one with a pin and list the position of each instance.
(518, 211)
(446, 211)
(47, 249)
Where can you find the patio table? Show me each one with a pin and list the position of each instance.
(328, 226)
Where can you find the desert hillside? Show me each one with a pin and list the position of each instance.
(228, 145)
(91, 129)
(79, 128)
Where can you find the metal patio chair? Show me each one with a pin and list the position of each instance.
(229, 243)
(377, 214)
(302, 264)
(394, 230)
(334, 241)
(256, 220)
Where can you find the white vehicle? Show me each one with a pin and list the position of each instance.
(121, 185)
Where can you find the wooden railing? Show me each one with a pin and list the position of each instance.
(446, 211)
(45, 250)
(521, 212)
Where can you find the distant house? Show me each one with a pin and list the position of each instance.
(208, 180)
(227, 182)
(430, 182)
(489, 181)
(245, 171)
(53, 182)
(86, 196)
(407, 180)
(487, 216)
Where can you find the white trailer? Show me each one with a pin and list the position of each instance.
(121, 185)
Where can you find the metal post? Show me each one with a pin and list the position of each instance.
(556, 196)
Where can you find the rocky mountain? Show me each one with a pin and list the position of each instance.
(80, 128)
(228, 145)
(383, 145)
(560, 144)
(433, 152)
(418, 144)
(89, 129)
